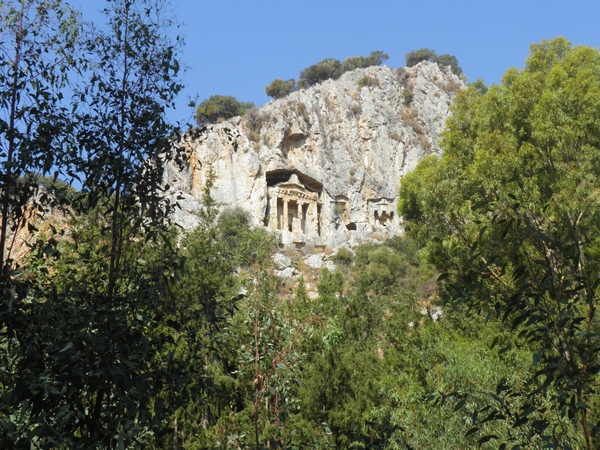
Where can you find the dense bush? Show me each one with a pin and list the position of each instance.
(255, 118)
(367, 81)
(449, 61)
(326, 69)
(425, 54)
(351, 368)
(279, 88)
(416, 56)
(376, 58)
(220, 107)
(510, 214)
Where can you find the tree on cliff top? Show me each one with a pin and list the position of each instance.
(279, 88)
(220, 107)
(326, 69)
(426, 54)
(375, 58)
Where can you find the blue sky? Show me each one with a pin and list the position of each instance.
(237, 47)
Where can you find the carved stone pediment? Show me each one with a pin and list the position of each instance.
(293, 208)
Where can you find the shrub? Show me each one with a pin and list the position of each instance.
(343, 257)
(416, 56)
(409, 117)
(255, 119)
(302, 111)
(385, 266)
(340, 208)
(400, 73)
(220, 107)
(426, 54)
(376, 58)
(408, 96)
(325, 69)
(449, 61)
(479, 85)
(279, 88)
(332, 68)
(302, 84)
(367, 81)
(423, 141)
(405, 246)
(452, 87)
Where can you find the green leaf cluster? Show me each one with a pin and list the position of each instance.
(414, 57)
(84, 318)
(510, 213)
(220, 107)
(279, 88)
(326, 69)
(353, 368)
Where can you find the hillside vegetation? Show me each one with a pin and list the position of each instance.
(476, 328)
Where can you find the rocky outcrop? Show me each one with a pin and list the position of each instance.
(323, 165)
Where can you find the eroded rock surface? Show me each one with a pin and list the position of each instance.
(322, 166)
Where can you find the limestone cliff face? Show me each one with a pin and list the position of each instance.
(323, 165)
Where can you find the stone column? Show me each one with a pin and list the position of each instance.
(273, 212)
(311, 226)
(308, 220)
(300, 216)
(285, 215)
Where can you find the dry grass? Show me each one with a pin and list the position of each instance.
(424, 142)
(408, 116)
(452, 87)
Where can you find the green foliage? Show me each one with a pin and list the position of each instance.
(223, 257)
(425, 54)
(414, 57)
(378, 359)
(367, 81)
(258, 368)
(331, 283)
(38, 42)
(407, 96)
(325, 69)
(510, 213)
(406, 247)
(384, 266)
(479, 85)
(279, 88)
(84, 340)
(340, 208)
(351, 368)
(449, 61)
(218, 107)
(331, 68)
(115, 332)
(55, 184)
(375, 58)
(100, 361)
(343, 257)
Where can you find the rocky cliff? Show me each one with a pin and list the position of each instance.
(323, 165)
